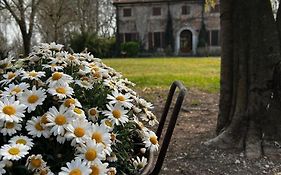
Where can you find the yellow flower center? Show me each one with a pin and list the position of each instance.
(108, 123)
(116, 113)
(60, 120)
(43, 172)
(97, 74)
(79, 132)
(36, 163)
(68, 102)
(153, 140)
(14, 151)
(95, 170)
(56, 76)
(21, 141)
(33, 74)
(44, 119)
(120, 98)
(91, 154)
(16, 90)
(32, 99)
(85, 83)
(112, 137)
(97, 136)
(38, 127)
(11, 75)
(78, 111)
(93, 111)
(75, 171)
(10, 125)
(71, 57)
(4, 65)
(61, 90)
(9, 110)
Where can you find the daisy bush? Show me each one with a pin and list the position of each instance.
(66, 114)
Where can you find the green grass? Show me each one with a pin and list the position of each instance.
(200, 73)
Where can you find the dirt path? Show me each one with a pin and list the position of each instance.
(187, 155)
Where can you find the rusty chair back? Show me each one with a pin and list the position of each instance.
(154, 168)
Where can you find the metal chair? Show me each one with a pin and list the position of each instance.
(154, 168)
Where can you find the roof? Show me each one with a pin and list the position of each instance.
(148, 1)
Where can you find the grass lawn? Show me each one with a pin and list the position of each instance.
(200, 73)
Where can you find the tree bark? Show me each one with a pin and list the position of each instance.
(250, 52)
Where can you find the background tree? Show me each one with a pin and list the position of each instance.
(248, 117)
(54, 16)
(23, 11)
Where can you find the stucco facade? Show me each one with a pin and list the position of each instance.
(146, 21)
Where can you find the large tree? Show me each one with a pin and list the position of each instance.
(23, 11)
(249, 111)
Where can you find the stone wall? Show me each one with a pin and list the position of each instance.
(142, 21)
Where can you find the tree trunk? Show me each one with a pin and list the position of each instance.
(250, 52)
(26, 43)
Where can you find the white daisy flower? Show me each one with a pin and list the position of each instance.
(22, 140)
(84, 69)
(6, 63)
(33, 98)
(2, 166)
(84, 82)
(149, 117)
(61, 90)
(10, 128)
(54, 46)
(77, 113)
(78, 132)
(117, 114)
(144, 104)
(91, 152)
(118, 97)
(9, 77)
(77, 167)
(72, 59)
(53, 67)
(13, 152)
(72, 102)
(150, 141)
(36, 128)
(139, 164)
(93, 114)
(59, 77)
(112, 171)
(44, 171)
(99, 168)
(108, 123)
(13, 89)
(11, 110)
(35, 162)
(111, 83)
(33, 75)
(101, 135)
(58, 120)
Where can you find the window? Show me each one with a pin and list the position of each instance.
(156, 40)
(127, 12)
(127, 37)
(185, 10)
(214, 38)
(156, 11)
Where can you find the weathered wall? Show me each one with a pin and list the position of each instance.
(142, 21)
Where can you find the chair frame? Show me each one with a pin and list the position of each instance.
(154, 170)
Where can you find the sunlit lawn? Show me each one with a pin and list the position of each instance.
(200, 73)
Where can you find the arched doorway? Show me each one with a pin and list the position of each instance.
(185, 41)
